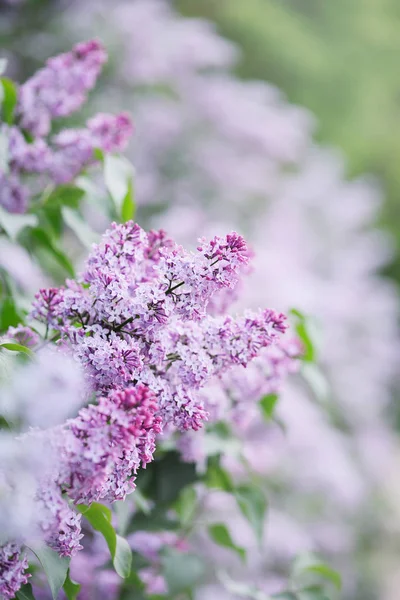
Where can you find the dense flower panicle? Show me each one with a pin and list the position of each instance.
(103, 447)
(12, 570)
(139, 314)
(60, 525)
(60, 88)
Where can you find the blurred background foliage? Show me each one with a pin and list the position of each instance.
(338, 58)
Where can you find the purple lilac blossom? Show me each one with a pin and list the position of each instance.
(60, 88)
(106, 444)
(56, 91)
(12, 570)
(138, 314)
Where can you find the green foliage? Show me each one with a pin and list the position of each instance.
(99, 516)
(118, 177)
(309, 565)
(185, 506)
(253, 505)
(71, 588)
(14, 347)
(166, 477)
(8, 99)
(267, 405)
(25, 593)
(39, 242)
(54, 566)
(220, 534)
(181, 571)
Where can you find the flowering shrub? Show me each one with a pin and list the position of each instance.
(141, 361)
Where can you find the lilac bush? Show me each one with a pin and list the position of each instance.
(174, 380)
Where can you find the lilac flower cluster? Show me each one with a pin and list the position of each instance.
(106, 444)
(12, 570)
(56, 91)
(93, 457)
(60, 88)
(139, 315)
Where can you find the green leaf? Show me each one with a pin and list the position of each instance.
(221, 536)
(54, 566)
(253, 505)
(65, 195)
(181, 571)
(307, 331)
(317, 382)
(10, 97)
(25, 593)
(310, 564)
(36, 236)
(186, 504)
(71, 588)
(118, 177)
(9, 314)
(99, 516)
(128, 205)
(216, 477)
(123, 512)
(166, 477)
(267, 405)
(13, 347)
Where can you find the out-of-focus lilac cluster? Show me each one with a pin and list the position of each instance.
(139, 314)
(56, 91)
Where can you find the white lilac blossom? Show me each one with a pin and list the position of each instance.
(54, 92)
(139, 315)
